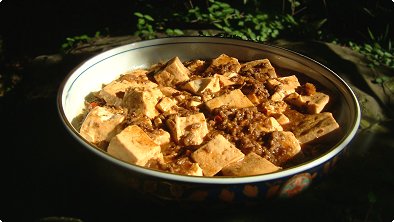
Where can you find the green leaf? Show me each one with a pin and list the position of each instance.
(139, 14)
(148, 17)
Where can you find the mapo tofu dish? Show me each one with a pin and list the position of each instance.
(210, 117)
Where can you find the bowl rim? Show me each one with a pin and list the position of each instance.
(300, 168)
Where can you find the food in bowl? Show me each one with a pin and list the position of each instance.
(210, 117)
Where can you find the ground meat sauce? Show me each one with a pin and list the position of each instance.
(248, 108)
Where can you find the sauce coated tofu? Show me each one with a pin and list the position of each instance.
(189, 130)
(282, 87)
(133, 145)
(252, 164)
(284, 146)
(101, 124)
(172, 73)
(233, 99)
(160, 137)
(194, 170)
(260, 69)
(216, 154)
(272, 108)
(199, 86)
(143, 101)
(314, 126)
(270, 124)
(223, 64)
(227, 78)
(167, 105)
(113, 92)
(313, 104)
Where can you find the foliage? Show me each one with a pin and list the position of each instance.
(268, 20)
(71, 42)
(258, 26)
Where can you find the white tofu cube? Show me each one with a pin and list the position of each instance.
(134, 146)
(101, 124)
(216, 154)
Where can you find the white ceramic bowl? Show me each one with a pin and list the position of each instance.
(105, 67)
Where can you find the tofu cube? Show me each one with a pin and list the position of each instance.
(202, 85)
(168, 91)
(260, 69)
(101, 124)
(284, 146)
(282, 87)
(167, 105)
(194, 170)
(272, 108)
(313, 104)
(223, 64)
(252, 164)
(267, 125)
(172, 73)
(281, 118)
(113, 92)
(216, 154)
(135, 75)
(233, 99)
(189, 130)
(134, 146)
(226, 78)
(160, 137)
(314, 126)
(143, 101)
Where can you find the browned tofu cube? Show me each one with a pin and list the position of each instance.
(133, 145)
(223, 64)
(172, 73)
(101, 124)
(314, 126)
(216, 154)
(260, 69)
(233, 99)
(283, 146)
(252, 164)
